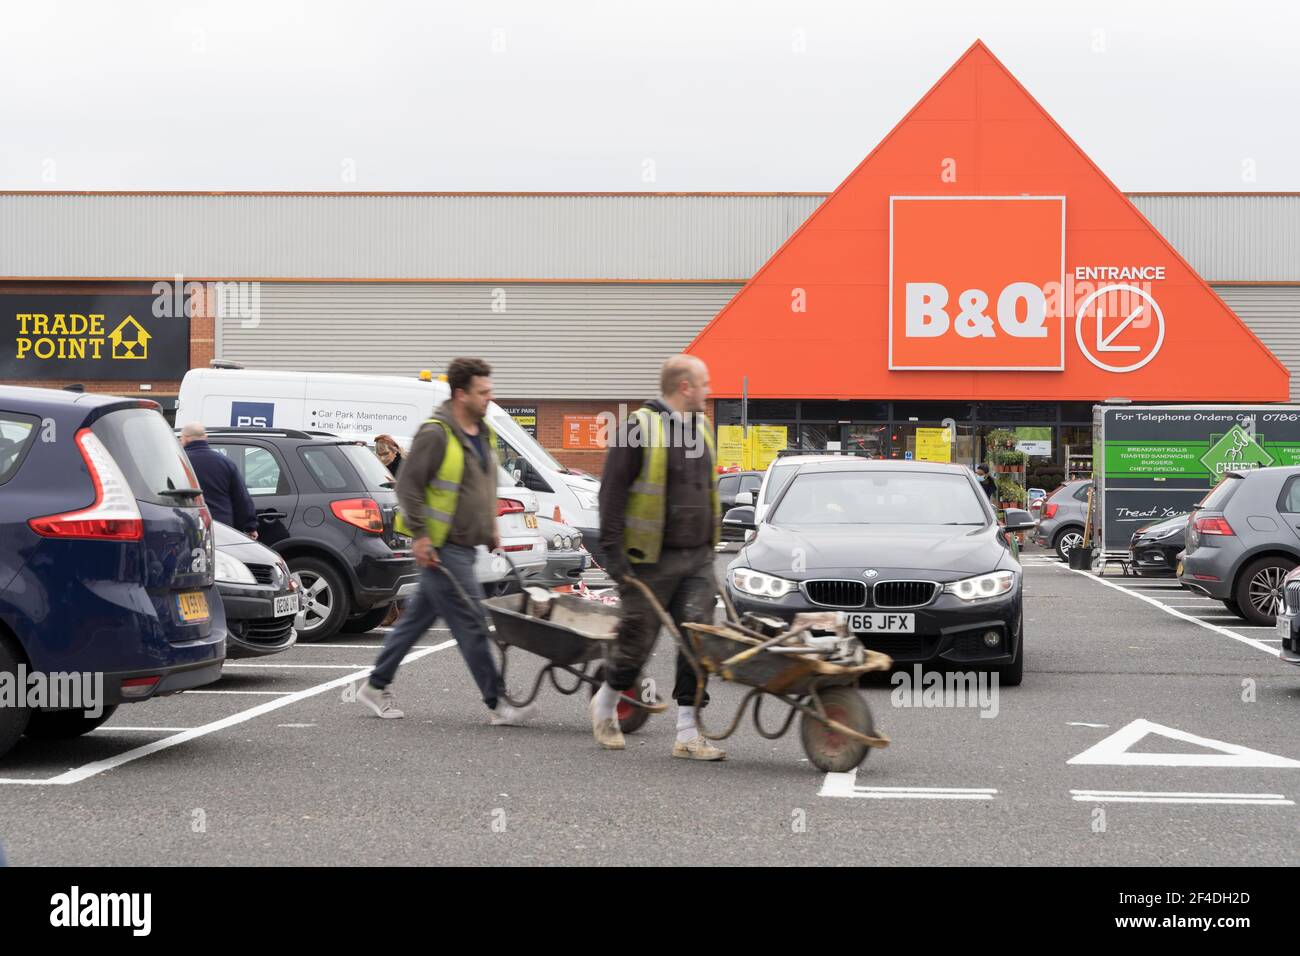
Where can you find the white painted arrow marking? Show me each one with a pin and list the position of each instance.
(1113, 751)
(1103, 343)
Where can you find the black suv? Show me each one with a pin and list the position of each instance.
(327, 506)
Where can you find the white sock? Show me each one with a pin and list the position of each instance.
(686, 729)
(606, 705)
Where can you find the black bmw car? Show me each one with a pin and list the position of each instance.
(911, 551)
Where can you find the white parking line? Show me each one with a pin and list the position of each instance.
(1149, 796)
(1258, 645)
(169, 730)
(78, 774)
(845, 785)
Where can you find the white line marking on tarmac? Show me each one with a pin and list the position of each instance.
(1146, 796)
(1276, 652)
(78, 774)
(1113, 751)
(1080, 723)
(168, 730)
(845, 785)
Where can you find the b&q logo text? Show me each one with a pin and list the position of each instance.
(72, 335)
(968, 282)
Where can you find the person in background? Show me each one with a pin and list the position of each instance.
(224, 491)
(389, 453)
(986, 481)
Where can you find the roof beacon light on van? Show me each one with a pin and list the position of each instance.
(426, 375)
(114, 516)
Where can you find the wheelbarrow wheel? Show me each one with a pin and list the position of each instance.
(631, 718)
(828, 749)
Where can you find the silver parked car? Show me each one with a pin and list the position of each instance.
(1065, 512)
(1243, 540)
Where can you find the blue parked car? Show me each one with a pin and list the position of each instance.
(106, 556)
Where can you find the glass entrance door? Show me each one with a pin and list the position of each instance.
(869, 440)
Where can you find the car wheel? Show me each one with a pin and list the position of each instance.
(367, 620)
(1010, 675)
(1233, 606)
(829, 750)
(13, 720)
(64, 724)
(1259, 589)
(1066, 540)
(325, 602)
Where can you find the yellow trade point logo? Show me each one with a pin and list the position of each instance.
(130, 340)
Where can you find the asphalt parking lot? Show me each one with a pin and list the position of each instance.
(1152, 728)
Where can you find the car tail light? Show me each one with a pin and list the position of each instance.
(1212, 526)
(139, 686)
(114, 515)
(362, 513)
(1049, 509)
(509, 506)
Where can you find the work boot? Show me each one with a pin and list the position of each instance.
(606, 730)
(506, 716)
(382, 702)
(697, 748)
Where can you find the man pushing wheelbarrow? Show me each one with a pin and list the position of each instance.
(660, 519)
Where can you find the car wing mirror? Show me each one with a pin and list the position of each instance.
(745, 498)
(741, 517)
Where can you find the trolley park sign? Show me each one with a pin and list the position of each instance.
(978, 253)
(85, 337)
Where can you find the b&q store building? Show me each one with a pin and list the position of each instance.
(976, 266)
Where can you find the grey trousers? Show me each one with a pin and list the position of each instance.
(437, 598)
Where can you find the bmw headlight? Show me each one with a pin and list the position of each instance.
(749, 581)
(982, 586)
(587, 500)
(233, 571)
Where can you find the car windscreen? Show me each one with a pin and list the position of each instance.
(781, 475)
(149, 455)
(1221, 493)
(374, 473)
(879, 497)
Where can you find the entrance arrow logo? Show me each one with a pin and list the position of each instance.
(1113, 751)
(1236, 450)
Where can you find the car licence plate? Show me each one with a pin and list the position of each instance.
(1283, 628)
(882, 623)
(192, 605)
(284, 606)
(530, 521)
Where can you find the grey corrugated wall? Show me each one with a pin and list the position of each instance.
(1273, 314)
(435, 236)
(549, 341)
(1227, 238)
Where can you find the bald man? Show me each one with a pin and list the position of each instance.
(660, 520)
(224, 491)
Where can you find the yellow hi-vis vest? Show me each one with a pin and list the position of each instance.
(643, 524)
(440, 494)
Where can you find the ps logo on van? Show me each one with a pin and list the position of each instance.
(252, 414)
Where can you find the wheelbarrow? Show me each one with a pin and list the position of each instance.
(836, 728)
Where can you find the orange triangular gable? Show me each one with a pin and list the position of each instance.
(815, 321)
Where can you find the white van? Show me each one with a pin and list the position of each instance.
(363, 406)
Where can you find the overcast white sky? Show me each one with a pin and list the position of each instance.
(576, 95)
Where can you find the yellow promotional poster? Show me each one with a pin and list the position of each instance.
(754, 453)
(933, 444)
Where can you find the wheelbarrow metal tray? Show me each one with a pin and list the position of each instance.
(773, 672)
(582, 634)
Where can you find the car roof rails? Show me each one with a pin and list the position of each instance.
(267, 432)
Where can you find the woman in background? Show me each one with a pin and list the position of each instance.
(389, 453)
